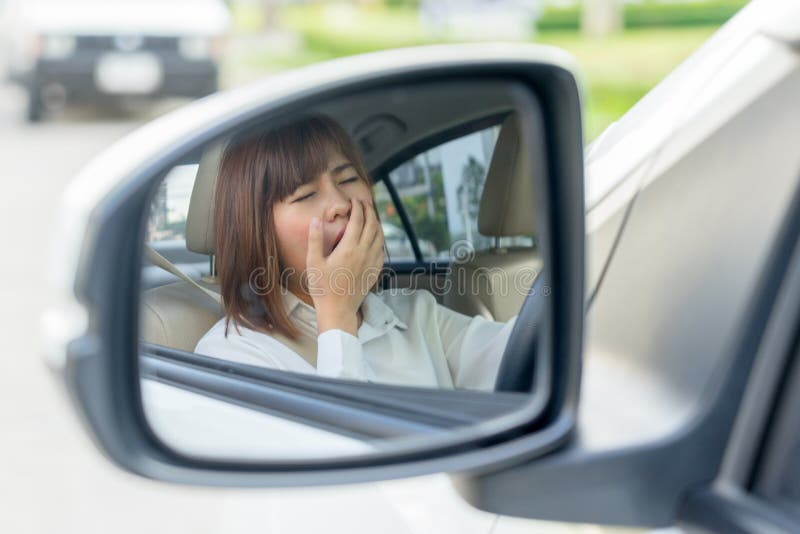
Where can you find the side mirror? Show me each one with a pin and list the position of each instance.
(159, 409)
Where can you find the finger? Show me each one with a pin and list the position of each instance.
(370, 225)
(373, 259)
(376, 245)
(355, 225)
(373, 276)
(379, 229)
(380, 237)
(378, 257)
(314, 253)
(376, 231)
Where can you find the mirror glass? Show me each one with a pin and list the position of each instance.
(344, 278)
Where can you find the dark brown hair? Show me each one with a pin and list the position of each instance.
(258, 169)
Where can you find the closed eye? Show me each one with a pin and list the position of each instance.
(303, 197)
(311, 194)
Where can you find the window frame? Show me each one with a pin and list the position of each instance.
(744, 492)
(364, 410)
(782, 437)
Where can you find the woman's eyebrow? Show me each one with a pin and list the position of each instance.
(340, 168)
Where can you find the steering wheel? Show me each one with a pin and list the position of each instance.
(517, 367)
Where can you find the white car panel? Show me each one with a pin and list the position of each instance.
(201, 426)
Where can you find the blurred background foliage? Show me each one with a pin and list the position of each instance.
(647, 14)
(617, 68)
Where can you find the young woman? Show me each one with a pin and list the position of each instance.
(299, 248)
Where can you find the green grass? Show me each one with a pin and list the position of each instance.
(617, 70)
(649, 14)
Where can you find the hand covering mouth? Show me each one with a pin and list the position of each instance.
(337, 239)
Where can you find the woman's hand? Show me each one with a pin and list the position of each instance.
(339, 282)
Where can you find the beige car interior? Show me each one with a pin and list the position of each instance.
(177, 314)
(494, 283)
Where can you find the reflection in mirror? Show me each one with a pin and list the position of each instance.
(341, 280)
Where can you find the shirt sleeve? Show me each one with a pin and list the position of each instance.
(473, 346)
(340, 355)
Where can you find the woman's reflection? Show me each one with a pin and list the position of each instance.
(299, 249)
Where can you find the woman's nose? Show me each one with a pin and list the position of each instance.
(338, 204)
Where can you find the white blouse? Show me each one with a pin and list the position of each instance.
(405, 338)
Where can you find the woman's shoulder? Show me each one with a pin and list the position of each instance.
(228, 332)
(228, 340)
(213, 337)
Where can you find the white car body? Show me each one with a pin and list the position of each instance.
(737, 66)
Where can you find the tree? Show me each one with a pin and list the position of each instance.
(469, 192)
(600, 18)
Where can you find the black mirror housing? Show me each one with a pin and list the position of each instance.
(98, 360)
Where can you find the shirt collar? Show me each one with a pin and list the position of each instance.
(377, 313)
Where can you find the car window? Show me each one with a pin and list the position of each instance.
(171, 205)
(398, 244)
(441, 189)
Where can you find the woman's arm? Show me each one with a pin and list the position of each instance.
(338, 354)
(474, 347)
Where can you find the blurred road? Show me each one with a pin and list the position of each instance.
(37, 162)
(52, 479)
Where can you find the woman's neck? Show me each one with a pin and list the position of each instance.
(302, 295)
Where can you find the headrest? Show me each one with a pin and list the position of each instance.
(507, 203)
(200, 219)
